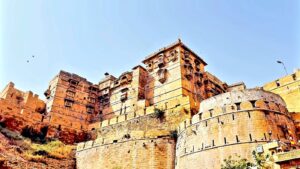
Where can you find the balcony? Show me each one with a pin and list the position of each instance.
(188, 70)
(173, 55)
(161, 61)
(72, 88)
(91, 100)
(73, 83)
(70, 98)
(123, 97)
(162, 75)
(198, 83)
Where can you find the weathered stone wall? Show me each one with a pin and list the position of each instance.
(148, 121)
(142, 153)
(20, 109)
(71, 102)
(288, 88)
(230, 123)
(141, 139)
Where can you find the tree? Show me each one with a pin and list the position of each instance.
(236, 163)
(262, 161)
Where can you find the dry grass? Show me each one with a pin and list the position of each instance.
(53, 149)
(37, 152)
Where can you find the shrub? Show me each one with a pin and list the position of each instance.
(34, 135)
(159, 113)
(53, 149)
(174, 134)
(236, 163)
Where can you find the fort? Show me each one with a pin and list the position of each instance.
(234, 122)
(170, 113)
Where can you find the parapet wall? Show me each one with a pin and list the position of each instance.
(133, 153)
(142, 139)
(230, 123)
(288, 88)
(19, 109)
(148, 120)
(238, 97)
(283, 82)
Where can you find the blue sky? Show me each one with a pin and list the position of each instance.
(240, 40)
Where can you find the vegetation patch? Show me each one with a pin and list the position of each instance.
(159, 114)
(174, 134)
(53, 149)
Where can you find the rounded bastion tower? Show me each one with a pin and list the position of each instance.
(232, 123)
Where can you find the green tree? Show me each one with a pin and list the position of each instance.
(262, 161)
(236, 163)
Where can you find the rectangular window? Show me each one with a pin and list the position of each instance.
(70, 93)
(91, 99)
(250, 136)
(68, 103)
(225, 141)
(89, 110)
(213, 143)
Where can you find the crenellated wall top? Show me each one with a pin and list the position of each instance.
(239, 97)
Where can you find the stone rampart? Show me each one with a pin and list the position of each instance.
(232, 123)
(131, 153)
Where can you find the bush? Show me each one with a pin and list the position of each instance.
(174, 134)
(159, 114)
(34, 135)
(53, 149)
(236, 163)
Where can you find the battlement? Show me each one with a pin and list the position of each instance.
(133, 136)
(142, 152)
(284, 81)
(72, 76)
(178, 104)
(288, 88)
(233, 122)
(234, 102)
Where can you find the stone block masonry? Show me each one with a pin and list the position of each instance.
(232, 123)
(143, 153)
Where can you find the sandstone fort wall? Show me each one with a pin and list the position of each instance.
(138, 153)
(230, 123)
